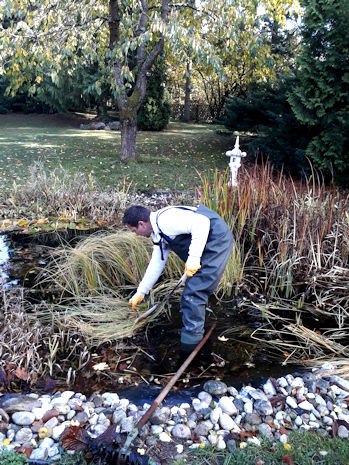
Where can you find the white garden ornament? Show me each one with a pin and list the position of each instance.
(235, 161)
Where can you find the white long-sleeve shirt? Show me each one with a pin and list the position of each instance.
(172, 222)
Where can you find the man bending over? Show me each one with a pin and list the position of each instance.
(202, 240)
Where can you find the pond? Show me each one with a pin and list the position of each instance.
(230, 354)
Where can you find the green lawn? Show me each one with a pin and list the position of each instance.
(167, 160)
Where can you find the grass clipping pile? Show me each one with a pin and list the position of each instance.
(95, 280)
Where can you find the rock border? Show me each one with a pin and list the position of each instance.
(220, 415)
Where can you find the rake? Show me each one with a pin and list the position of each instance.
(122, 456)
(165, 299)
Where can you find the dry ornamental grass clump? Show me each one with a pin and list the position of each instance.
(96, 279)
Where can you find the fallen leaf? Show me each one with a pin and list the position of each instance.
(24, 450)
(75, 438)
(287, 459)
(21, 374)
(108, 437)
(245, 434)
(50, 414)
(283, 430)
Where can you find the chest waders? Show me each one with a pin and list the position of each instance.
(199, 287)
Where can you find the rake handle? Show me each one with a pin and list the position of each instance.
(172, 381)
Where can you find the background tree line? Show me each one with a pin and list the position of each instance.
(275, 69)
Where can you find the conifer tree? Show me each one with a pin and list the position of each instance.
(321, 98)
(279, 136)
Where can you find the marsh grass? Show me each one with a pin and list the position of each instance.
(31, 348)
(106, 262)
(100, 318)
(290, 261)
(290, 256)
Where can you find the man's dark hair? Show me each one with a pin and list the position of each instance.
(135, 214)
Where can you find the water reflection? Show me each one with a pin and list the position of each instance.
(5, 256)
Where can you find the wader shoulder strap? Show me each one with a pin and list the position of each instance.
(160, 244)
(162, 234)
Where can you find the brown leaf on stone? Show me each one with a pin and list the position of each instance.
(244, 435)
(36, 426)
(50, 414)
(24, 450)
(278, 399)
(108, 437)
(275, 384)
(283, 430)
(75, 438)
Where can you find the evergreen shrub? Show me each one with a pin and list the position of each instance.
(266, 113)
(321, 97)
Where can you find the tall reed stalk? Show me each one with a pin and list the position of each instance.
(288, 236)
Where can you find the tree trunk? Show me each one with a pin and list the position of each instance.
(129, 103)
(128, 138)
(186, 112)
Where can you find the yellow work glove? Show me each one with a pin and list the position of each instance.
(192, 266)
(136, 300)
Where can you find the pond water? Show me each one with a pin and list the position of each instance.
(4, 258)
(230, 354)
